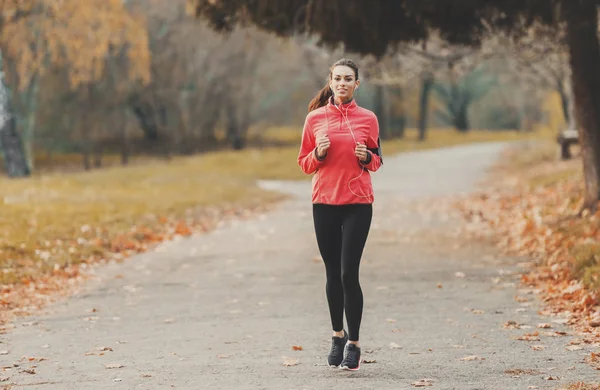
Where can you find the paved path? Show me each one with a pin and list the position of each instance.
(223, 310)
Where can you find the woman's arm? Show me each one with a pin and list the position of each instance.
(307, 157)
(374, 157)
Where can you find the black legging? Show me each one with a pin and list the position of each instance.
(341, 236)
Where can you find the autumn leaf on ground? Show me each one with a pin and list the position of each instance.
(369, 361)
(297, 348)
(477, 311)
(288, 362)
(423, 383)
(574, 348)
(594, 360)
(537, 347)
(529, 337)
(512, 325)
(471, 358)
(111, 366)
(544, 326)
(517, 372)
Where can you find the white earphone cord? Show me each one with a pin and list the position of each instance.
(354, 138)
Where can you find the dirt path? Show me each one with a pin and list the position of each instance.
(223, 310)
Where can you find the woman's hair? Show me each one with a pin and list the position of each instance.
(324, 94)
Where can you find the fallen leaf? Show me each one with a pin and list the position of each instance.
(395, 346)
(423, 383)
(544, 326)
(369, 361)
(391, 320)
(477, 311)
(530, 337)
(574, 348)
(537, 347)
(459, 274)
(297, 348)
(28, 371)
(439, 285)
(471, 358)
(512, 325)
(551, 378)
(111, 366)
(288, 362)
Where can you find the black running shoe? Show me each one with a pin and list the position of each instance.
(336, 355)
(352, 358)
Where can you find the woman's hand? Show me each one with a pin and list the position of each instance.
(361, 152)
(323, 144)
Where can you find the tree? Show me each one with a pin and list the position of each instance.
(374, 27)
(458, 95)
(37, 36)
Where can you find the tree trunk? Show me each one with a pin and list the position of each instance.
(233, 124)
(426, 84)
(124, 115)
(11, 145)
(28, 129)
(98, 155)
(398, 115)
(461, 118)
(564, 100)
(582, 38)
(381, 112)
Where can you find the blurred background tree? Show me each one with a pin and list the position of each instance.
(105, 81)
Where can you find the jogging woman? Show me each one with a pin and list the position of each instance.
(340, 145)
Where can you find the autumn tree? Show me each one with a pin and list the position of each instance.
(37, 36)
(372, 27)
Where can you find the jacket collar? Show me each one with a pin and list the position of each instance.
(345, 108)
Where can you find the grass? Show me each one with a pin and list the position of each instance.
(51, 220)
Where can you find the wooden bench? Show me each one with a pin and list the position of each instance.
(565, 139)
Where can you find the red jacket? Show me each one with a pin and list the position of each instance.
(340, 177)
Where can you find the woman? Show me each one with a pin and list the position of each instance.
(340, 145)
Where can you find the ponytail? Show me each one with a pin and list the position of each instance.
(321, 99)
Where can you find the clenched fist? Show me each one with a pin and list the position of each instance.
(323, 144)
(361, 152)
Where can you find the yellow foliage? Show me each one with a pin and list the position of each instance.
(75, 34)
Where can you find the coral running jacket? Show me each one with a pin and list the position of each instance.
(340, 177)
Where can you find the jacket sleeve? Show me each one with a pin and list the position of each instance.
(307, 157)
(374, 155)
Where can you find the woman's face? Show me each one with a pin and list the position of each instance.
(343, 83)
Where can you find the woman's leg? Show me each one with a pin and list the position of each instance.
(328, 229)
(356, 223)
